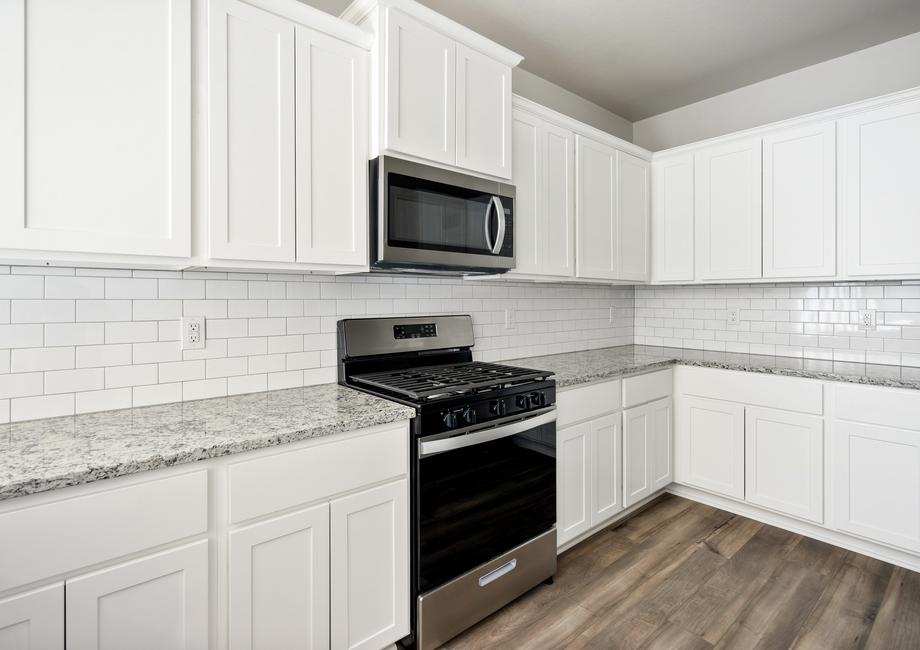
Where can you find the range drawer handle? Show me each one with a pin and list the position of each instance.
(495, 574)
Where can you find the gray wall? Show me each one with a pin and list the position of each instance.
(529, 85)
(877, 70)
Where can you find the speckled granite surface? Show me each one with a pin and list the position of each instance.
(575, 368)
(44, 455)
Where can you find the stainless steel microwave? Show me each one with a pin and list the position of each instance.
(427, 219)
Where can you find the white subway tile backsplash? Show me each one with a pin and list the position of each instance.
(247, 384)
(103, 400)
(93, 356)
(156, 352)
(132, 332)
(4, 361)
(43, 406)
(226, 367)
(15, 286)
(36, 359)
(181, 289)
(204, 388)
(42, 311)
(156, 394)
(224, 289)
(72, 381)
(4, 311)
(103, 310)
(21, 384)
(58, 334)
(74, 287)
(181, 371)
(157, 310)
(120, 376)
(21, 336)
(4, 411)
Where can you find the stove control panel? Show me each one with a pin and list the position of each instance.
(415, 331)
(465, 412)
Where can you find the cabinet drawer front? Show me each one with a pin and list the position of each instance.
(770, 391)
(587, 402)
(882, 406)
(647, 388)
(59, 537)
(272, 483)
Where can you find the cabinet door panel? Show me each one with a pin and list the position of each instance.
(420, 88)
(529, 206)
(95, 123)
(799, 202)
(637, 442)
(672, 219)
(251, 125)
(710, 445)
(370, 567)
(331, 150)
(34, 620)
(784, 462)
(159, 602)
(558, 239)
(279, 582)
(661, 467)
(573, 482)
(728, 211)
(632, 217)
(596, 210)
(880, 155)
(483, 113)
(606, 451)
(877, 483)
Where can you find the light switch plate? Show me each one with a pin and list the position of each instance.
(193, 333)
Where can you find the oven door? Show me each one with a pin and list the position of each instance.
(432, 218)
(482, 493)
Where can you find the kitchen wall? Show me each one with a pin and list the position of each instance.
(874, 71)
(80, 340)
(817, 321)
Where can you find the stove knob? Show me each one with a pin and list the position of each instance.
(450, 420)
(470, 416)
(523, 401)
(538, 399)
(498, 407)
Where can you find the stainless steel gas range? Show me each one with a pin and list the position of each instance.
(483, 469)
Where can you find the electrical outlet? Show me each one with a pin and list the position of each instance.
(734, 318)
(193, 333)
(610, 315)
(867, 319)
(510, 319)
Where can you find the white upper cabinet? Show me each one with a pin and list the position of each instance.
(633, 187)
(544, 213)
(728, 211)
(95, 123)
(419, 89)
(251, 133)
(596, 210)
(483, 113)
(799, 202)
(879, 159)
(672, 219)
(331, 141)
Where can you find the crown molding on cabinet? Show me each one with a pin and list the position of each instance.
(319, 21)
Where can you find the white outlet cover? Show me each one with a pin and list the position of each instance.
(192, 333)
(510, 320)
(867, 320)
(733, 318)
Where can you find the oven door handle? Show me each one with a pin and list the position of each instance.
(431, 447)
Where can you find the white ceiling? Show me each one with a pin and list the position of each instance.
(639, 58)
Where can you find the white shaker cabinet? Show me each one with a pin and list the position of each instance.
(799, 202)
(727, 211)
(633, 195)
(606, 454)
(880, 195)
(646, 450)
(95, 124)
(34, 620)
(159, 602)
(709, 445)
(672, 219)
(596, 210)
(483, 113)
(279, 582)
(251, 133)
(370, 567)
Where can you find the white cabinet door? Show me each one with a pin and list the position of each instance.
(251, 133)
(331, 126)
(596, 210)
(279, 582)
(784, 462)
(877, 483)
(370, 567)
(637, 434)
(632, 217)
(880, 156)
(727, 195)
(95, 124)
(606, 451)
(159, 602)
(672, 219)
(529, 188)
(573, 475)
(661, 448)
(34, 620)
(799, 202)
(483, 113)
(419, 90)
(709, 445)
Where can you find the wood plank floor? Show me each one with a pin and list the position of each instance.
(685, 575)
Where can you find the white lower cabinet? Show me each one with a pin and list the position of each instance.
(279, 582)
(877, 483)
(159, 602)
(606, 451)
(370, 567)
(784, 462)
(646, 450)
(34, 620)
(709, 445)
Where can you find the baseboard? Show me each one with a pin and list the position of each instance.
(626, 513)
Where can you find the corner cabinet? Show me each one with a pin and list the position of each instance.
(633, 197)
(96, 128)
(33, 620)
(672, 219)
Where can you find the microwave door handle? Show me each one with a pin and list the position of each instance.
(500, 213)
(488, 224)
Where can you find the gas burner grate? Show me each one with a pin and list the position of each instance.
(422, 383)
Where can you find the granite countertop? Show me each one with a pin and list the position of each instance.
(43, 455)
(573, 368)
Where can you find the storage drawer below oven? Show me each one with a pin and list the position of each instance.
(448, 610)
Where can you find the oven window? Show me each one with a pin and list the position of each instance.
(478, 502)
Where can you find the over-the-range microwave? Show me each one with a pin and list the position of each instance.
(433, 220)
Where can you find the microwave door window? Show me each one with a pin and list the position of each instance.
(419, 218)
